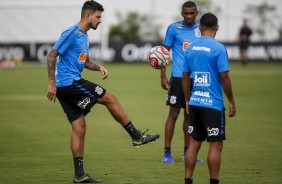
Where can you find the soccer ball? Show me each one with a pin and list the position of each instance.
(159, 57)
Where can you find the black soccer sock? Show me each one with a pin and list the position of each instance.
(132, 131)
(214, 181)
(188, 181)
(78, 166)
(167, 150)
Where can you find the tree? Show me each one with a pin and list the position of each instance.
(134, 27)
(264, 19)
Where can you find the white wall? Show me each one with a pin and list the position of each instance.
(42, 20)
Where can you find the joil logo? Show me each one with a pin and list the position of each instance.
(201, 79)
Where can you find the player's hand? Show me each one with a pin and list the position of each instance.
(165, 83)
(52, 92)
(232, 110)
(187, 109)
(104, 72)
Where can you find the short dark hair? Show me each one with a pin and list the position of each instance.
(91, 6)
(208, 20)
(189, 4)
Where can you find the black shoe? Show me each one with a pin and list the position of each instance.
(85, 179)
(145, 138)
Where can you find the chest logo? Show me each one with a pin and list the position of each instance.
(82, 57)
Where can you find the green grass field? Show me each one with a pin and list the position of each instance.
(35, 134)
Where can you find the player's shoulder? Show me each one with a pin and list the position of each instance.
(213, 41)
(72, 31)
(205, 41)
(219, 44)
(177, 24)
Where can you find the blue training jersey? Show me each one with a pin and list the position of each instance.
(204, 59)
(179, 37)
(73, 50)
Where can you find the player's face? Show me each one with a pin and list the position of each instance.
(95, 19)
(189, 15)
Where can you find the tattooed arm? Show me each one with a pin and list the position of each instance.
(51, 66)
(92, 66)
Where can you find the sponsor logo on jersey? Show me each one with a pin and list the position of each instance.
(179, 26)
(84, 103)
(79, 33)
(212, 131)
(202, 79)
(202, 93)
(185, 45)
(206, 49)
(203, 101)
(82, 57)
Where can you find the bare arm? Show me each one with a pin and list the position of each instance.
(186, 83)
(92, 66)
(227, 88)
(164, 80)
(51, 66)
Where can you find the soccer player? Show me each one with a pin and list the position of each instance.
(77, 95)
(178, 37)
(244, 41)
(206, 62)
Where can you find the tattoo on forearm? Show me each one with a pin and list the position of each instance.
(92, 66)
(96, 67)
(51, 64)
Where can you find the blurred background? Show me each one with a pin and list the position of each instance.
(129, 28)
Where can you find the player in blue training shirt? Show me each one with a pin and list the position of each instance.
(206, 63)
(178, 37)
(77, 95)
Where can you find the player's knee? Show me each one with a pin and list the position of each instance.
(217, 145)
(174, 113)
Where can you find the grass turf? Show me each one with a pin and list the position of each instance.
(35, 134)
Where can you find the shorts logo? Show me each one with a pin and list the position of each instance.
(84, 103)
(213, 131)
(202, 79)
(82, 57)
(98, 90)
(173, 99)
(190, 129)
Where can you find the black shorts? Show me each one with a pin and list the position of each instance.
(175, 96)
(207, 123)
(244, 45)
(79, 98)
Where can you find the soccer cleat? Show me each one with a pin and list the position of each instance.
(198, 159)
(145, 138)
(167, 159)
(85, 179)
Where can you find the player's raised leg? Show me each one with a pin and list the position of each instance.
(113, 105)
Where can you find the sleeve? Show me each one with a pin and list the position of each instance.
(169, 38)
(64, 42)
(222, 60)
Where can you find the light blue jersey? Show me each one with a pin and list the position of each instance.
(73, 50)
(179, 37)
(205, 58)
